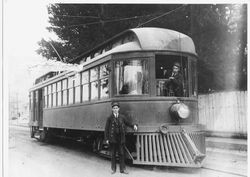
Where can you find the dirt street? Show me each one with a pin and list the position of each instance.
(30, 158)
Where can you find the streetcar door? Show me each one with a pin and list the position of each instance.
(40, 108)
(31, 97)
(35, 108)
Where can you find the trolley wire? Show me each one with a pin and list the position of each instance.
(122, 19)
(76, 16)
(167, 13)
(108, 21)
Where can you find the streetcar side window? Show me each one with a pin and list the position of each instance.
(49, 96)
(104, 80)
(85, 86)
(77, 88)
(64, 92)
(45, 104)
(94, 83)
(171, 75)
(71, 89)
(36, 108)
(59, 93)
(32, 105)
(54, 101)
(131, 77)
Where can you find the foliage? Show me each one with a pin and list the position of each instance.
(219, 32)
(220, 35)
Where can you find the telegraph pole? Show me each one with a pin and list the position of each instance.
(17, 105)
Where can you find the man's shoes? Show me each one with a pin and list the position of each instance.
(124, 172)
(112, 172)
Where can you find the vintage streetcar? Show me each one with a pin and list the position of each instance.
(130, 68)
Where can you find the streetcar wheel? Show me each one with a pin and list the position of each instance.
(45, 136)
(99, 144)
(94, 145)
(32, 133)
(42, 136)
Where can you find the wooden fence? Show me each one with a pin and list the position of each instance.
(224, 113)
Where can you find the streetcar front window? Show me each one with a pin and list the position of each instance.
(171, 75)
(131, 77)
(194, 79)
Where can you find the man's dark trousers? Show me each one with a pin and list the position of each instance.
(114, 147)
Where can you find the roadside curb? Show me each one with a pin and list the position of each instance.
(227, 143)
(20, 125)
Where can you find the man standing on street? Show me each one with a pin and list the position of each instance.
(115, 136)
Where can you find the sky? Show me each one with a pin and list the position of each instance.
(24, 24)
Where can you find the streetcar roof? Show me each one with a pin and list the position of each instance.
(164, 39)
(148, 38)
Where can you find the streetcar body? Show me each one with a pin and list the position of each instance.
(129, 69)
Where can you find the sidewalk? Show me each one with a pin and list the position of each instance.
(226, 143)
(19, 123)
(229, 161)
(226, 155)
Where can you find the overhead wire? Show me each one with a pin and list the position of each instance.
(76, 16)
(121, 19)
(108, 21)
(162, 15)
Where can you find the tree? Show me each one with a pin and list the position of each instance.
(219, 32)
(81, 27)
(220, 38)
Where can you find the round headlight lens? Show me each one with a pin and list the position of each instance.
(183, 111)
(180, 109)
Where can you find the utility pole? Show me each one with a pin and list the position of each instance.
(17, 105)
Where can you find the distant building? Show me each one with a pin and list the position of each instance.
(18, 108)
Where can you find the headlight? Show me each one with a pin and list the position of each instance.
(180, 109)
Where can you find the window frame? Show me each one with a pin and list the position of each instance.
(45, 99)
(71, 80)
(65, 90)
(59, 93)
(50, 96)
(77, 84)
(193, 87)
(100, 78)
(82, 84)
(187, 78)
(93, 81)
(122, 59)
(54, 94)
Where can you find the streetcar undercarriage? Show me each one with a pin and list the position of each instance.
(181, 149)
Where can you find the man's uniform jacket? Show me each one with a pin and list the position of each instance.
(175, 84)
(110, 128)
